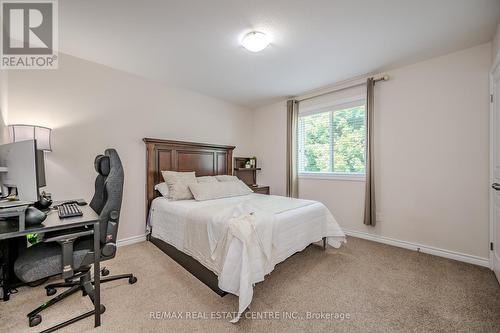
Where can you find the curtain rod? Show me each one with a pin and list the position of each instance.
(383, 78)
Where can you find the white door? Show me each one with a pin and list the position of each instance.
(495, 172)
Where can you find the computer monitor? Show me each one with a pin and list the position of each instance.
(40, 168)
(19, 170)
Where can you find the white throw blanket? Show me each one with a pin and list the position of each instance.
(240, 238)
(264, 207)
(250, 236)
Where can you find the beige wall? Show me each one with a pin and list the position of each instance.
(496, 44)
(91, 107)
(270, 145)
(432, 156)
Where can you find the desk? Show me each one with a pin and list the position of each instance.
(8, 247)
(18, 212)
(11, 229)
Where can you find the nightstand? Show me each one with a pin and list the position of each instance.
(261, 189)
(248, 175)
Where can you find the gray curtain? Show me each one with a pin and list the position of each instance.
(370, 209)
(292, 177)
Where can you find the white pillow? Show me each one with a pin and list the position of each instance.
(162, 188)
(206, 179)
(178, 184)
(208, 191)
(226, 178)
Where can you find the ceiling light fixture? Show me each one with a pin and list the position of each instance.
(255, 41)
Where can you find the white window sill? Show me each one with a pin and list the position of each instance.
(333, 176)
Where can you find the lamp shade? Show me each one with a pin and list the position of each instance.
(29, 132)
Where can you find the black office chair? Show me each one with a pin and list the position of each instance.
(76, 250)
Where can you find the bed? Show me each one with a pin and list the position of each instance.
(190, 231)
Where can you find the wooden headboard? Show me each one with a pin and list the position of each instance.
(205, 159)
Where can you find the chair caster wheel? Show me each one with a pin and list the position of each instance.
(104, 272)
(51, 291)
(132, 280)
(103, 308)
(35, 320)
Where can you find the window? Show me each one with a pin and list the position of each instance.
(331, 140)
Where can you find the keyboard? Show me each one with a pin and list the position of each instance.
(68, 210)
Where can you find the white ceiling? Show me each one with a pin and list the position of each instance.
(195, 44)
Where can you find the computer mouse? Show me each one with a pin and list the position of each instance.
(34, 216)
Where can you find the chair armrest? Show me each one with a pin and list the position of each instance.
(69, 237)
(66, 241)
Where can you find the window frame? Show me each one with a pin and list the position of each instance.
(332, 106)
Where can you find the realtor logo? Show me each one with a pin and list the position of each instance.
(29, 34)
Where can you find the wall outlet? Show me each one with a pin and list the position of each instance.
(378, 217)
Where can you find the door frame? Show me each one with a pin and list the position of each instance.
(495, 71)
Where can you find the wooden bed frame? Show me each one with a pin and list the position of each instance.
(205, 160)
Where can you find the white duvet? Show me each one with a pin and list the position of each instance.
(241, 239)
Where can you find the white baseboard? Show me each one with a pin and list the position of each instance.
(485, 262)
(131, 240)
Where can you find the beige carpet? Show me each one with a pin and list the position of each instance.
(378, 287)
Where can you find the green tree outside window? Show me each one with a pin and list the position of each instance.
(333, 141)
